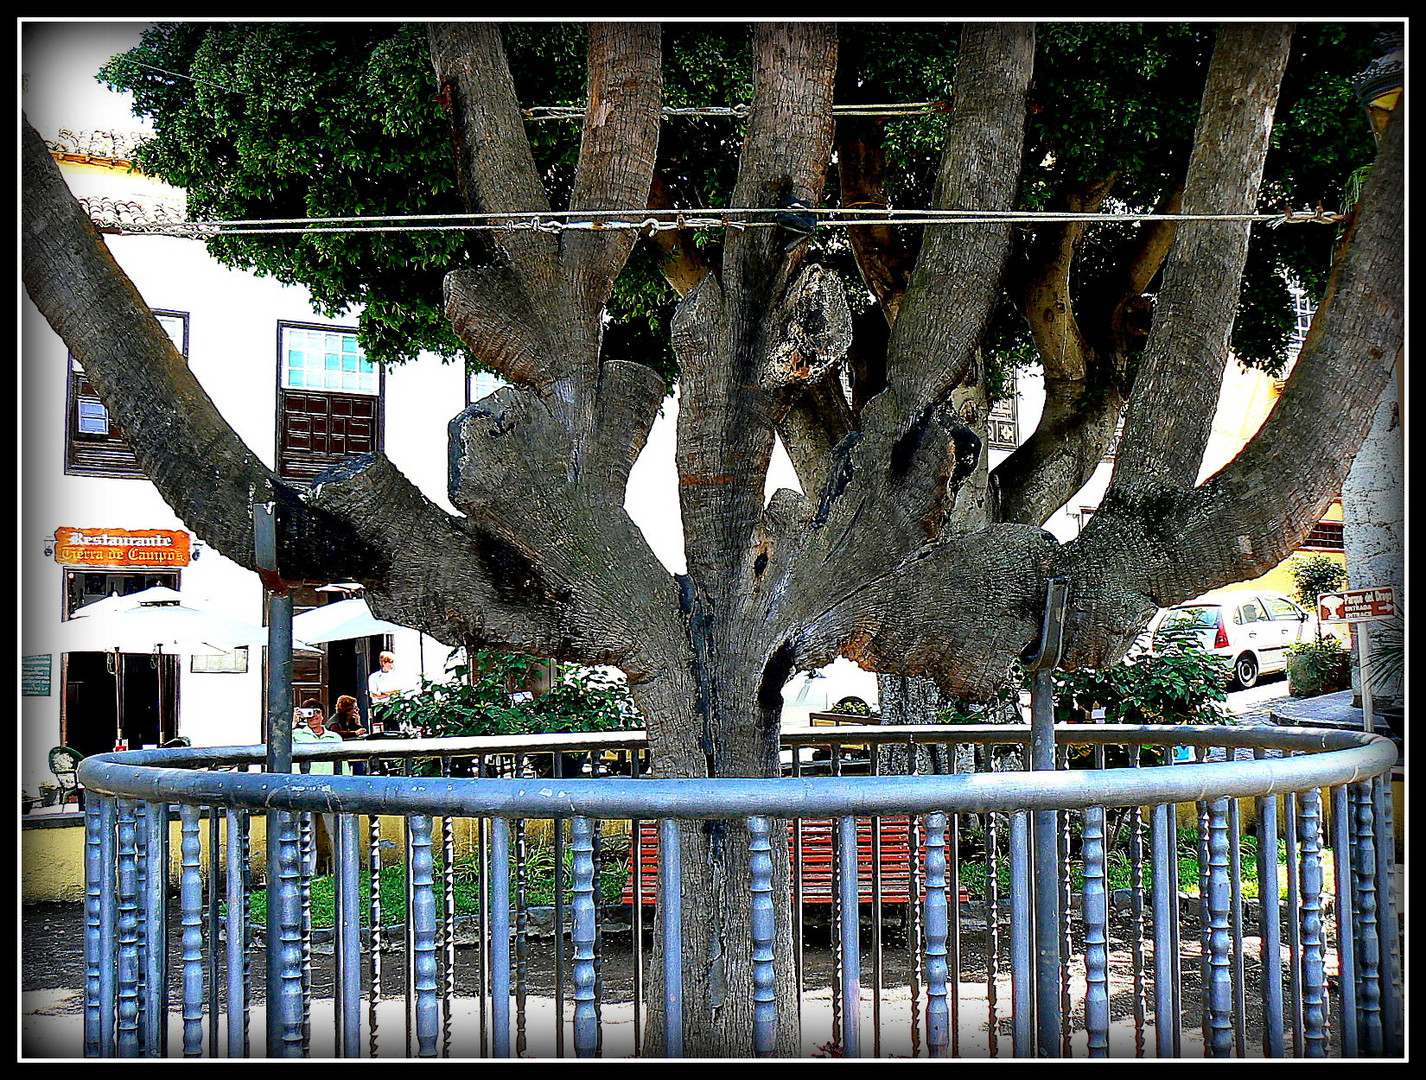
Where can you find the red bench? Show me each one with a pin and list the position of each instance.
(814, 857)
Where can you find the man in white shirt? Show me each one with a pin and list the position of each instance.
(385, 681)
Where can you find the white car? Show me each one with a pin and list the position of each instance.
(1251, 628)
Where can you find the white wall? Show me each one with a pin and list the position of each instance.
(232, 349)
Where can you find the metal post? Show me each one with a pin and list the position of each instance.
(283, 916)
(278, 600)
(1045, 823)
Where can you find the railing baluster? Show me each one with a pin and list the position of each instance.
(992, 929)
(236, 929)
(500, 937)
(1314, 974)
(1218, 990)
(1294, 925)
(1346, 918)
(522, 937)
(448, 916)
(1165, 885)
(378, 943)
(671, 926)
(764, 932)
(153, 935)
(938, 1022)
(1096, 934)
(1383, 823)
(586, 1020)
(284, 937)
(191, 906)
(1368, 936)
(1270, 927)
(423, 929)
(127, 1020)
(953, 901)
(348, 937)
(1022, 969)
(482, 862)
(99, 955)
(307, 831)
(636, 871)
(213, 920)
(1235, 883)
(1136, 913)
(851, 970)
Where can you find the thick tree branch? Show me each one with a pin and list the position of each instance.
(955, 283)
(883, 257)
(920, 616)
(195, 458)
(1189, 341)
(617, 153)
(724, 327)
(891, 486)
(494, 165)
(537, 318)
(1155, 546)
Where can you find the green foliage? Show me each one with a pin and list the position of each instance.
(853, 706)
(468, 878)
(582, 699)
(295, 120)
(1181, 684)
(1318, 667)
(1314, 575)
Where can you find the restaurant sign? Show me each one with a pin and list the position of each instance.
(121, 547)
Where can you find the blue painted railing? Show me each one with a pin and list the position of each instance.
(1137, 968)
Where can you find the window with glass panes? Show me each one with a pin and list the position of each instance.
(94, 443)
(329, 400)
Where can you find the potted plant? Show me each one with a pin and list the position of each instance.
(1318, 667)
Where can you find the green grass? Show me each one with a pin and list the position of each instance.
(539, 887)
(1119, 873)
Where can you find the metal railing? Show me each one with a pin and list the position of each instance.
(993, 911)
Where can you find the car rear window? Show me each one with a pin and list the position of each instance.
(1192, 618)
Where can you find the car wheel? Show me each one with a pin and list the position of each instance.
(1245, 671)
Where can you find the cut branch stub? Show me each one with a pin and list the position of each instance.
(810, 331)
(502, 446)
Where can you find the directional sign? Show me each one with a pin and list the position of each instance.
(1357, 605)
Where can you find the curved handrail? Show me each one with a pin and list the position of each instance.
(1326, 758)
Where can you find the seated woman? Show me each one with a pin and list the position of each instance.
(346, 718)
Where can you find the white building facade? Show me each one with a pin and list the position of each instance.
(296, 388)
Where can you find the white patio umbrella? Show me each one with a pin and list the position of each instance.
(157, 594)
(152, 622)
(340, 621)
(156, 626)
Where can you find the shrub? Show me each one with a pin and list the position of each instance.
(853, 706)
(1314, 575)
(1318, 667)
(582, 699)
(1181, 684)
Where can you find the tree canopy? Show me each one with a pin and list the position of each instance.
(275, 120)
